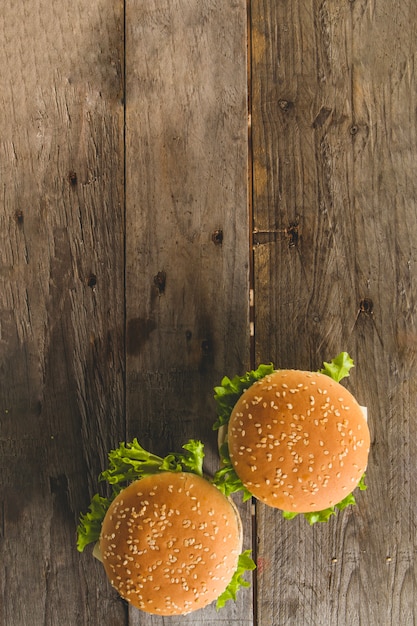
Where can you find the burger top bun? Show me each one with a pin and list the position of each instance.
(170, 543)
(298, 441)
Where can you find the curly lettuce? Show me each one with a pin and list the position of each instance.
(89, 527)
(245, 564)
(226, 479)
(339, 367)
(131, 461)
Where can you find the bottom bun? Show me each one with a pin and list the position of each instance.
(170, 543)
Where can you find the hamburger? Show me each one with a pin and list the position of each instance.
(295, 440)
(169, 540)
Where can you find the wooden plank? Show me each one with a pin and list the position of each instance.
(61, 300)
(334, 136)
(187, 229)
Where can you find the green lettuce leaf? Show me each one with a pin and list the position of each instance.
(192, 460)
(339, 367)
(131, 462)
(89, 527)
(229, 391)
(245, 564)
(226, 479)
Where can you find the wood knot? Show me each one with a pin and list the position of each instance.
(72, 178)
(92, 281)
(285, 105)
(366, 306)
(292, 234)
(217, 237)
(160, 282)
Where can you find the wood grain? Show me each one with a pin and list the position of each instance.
(61, 300)
(187, 236)
(124, 276)
(334, 136)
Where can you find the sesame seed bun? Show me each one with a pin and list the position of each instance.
(298, 441)
(170, 543)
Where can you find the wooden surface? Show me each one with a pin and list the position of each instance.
(126, 213)
(334, 139)
(62, 299)
(187, 277)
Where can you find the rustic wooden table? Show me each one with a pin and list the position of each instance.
(140, 211)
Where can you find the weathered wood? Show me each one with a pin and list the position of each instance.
(334, 136)
(124, 276)
(186, 229)
(61, 300)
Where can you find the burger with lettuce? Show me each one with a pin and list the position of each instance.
(169, 540)
(295, 440)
